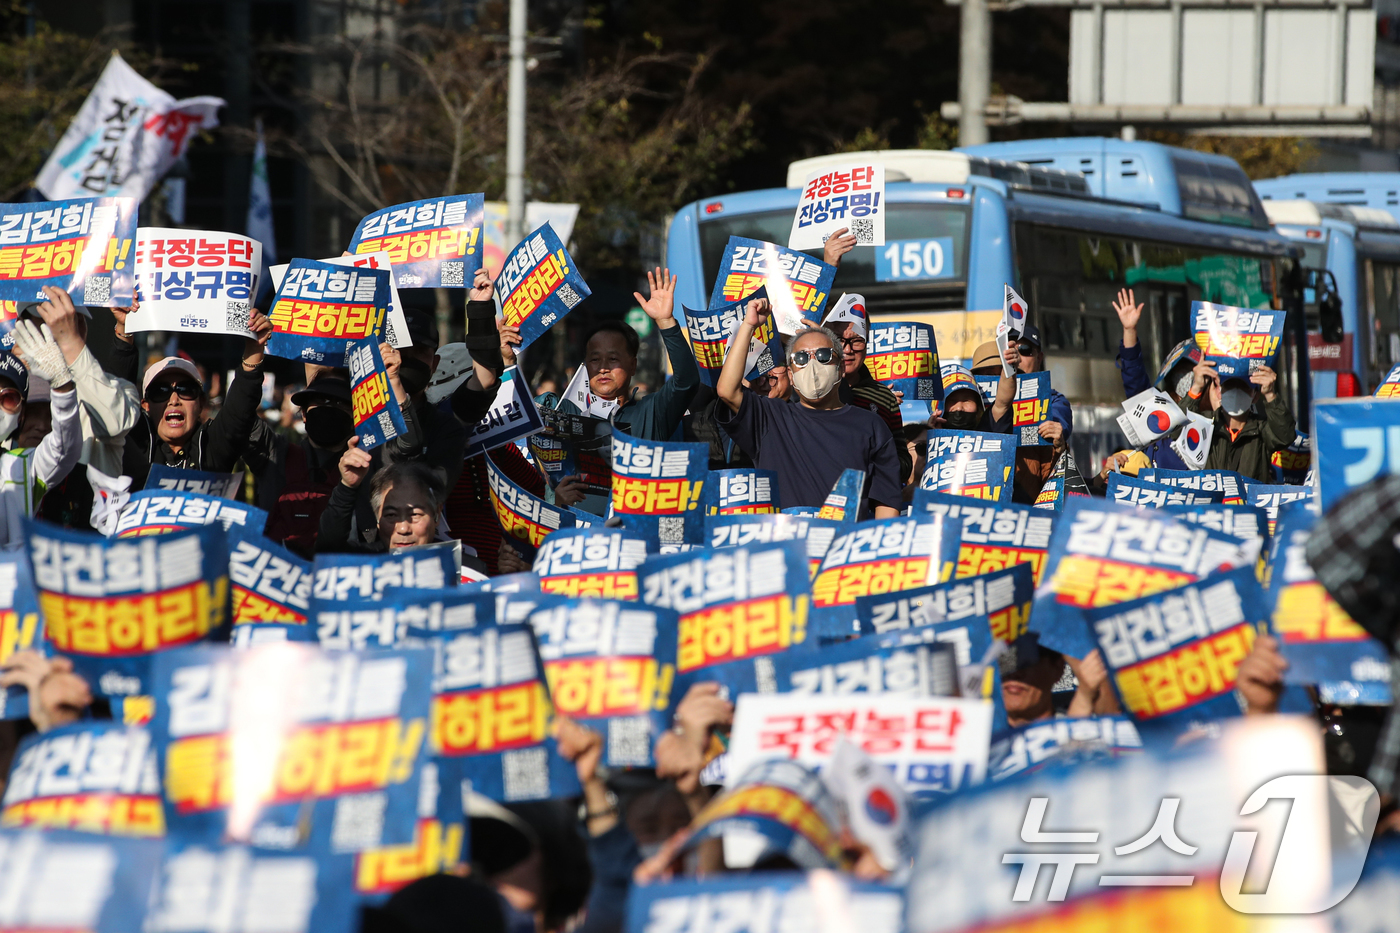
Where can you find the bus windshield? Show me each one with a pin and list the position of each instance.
(925, 244)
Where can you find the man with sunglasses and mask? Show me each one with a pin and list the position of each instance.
(808, 443)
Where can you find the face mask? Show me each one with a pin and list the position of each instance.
(1236, 401)
(328, 427)
(815, 381)
(963, 420)
(414, 374)
(8, 423)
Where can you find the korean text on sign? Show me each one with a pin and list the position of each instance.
(798, 285)
(1239, 340)
(196, 281)
(849, 196)
(320, 309)
(904, 356)
(433, 243)
(85, 247)
(378, 416)
(525, 517)
(657, 487)
(539, 284)
(599, 562)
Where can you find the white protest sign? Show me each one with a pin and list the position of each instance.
(1148, 415)
(1192, 445)
(851, 195)
(512, 416)
(395, 324)
(195, 281)
(931, 744)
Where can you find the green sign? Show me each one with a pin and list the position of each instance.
(639, 321)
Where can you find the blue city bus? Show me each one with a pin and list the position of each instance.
(1348, 224)
(1184, 227)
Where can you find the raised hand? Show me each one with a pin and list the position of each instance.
(62, 319)
(482, 287)
(260, 325)
(354, 464)
(1266, 379)
(660, 306)
(837, 245)
(755, 311)
(1128, 315)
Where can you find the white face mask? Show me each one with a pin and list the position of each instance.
(8, 423)
(815, 380)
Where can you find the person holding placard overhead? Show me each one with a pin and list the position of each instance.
(1252, 421)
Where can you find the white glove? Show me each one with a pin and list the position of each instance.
(41, 353)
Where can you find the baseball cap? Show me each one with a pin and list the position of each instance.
(15, 371)
(956, 376)
(850, 309)
(986, 354)
(169, 363)
(327, 385)
(453, 368)
(1031, 333)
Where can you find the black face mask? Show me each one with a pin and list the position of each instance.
(963, 420)
(414, 374)
(329, 427)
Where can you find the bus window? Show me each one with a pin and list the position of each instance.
(1385, 338)
(925, 244)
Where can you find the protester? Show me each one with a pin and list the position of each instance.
(1030, 672)
(610, 355)
(811, 442)
(439, 439)
(1175, 379)
(1245, 438)
(1024, 355)
(45, 434)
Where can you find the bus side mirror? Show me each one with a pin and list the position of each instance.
(1329, 308)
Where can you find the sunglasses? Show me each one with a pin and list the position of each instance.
(158, 394)
(823, 355)
(1026, 348)
(11, 400)
(854, 343)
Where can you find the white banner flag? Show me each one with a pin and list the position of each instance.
(1148, 415)
(127, 134)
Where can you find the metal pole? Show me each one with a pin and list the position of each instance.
(515, 128)
(974, 72)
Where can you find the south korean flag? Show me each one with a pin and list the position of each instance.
(1013, 324)
(1149, 415)
(1193, 444)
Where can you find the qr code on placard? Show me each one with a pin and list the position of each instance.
(386, 425)
(391, 336)
(236, 315)
(671, 529)
(568, 296)
(358, 823)
(863, 229)
(526, 773)
(97, 290)
(453, 273)
(1030, 435)
(765, 675)
(629, 741)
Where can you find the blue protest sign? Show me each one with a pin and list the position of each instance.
(1174, 656)
(173, 479)
(740, 530)
(270, 583)
(741, 492)
(1228, 483)
(378, 416)
(321, 309)
(712, 331)
(881, 556)
(1133, 490)
(1246, 522)
(365, 576)
(254, 743)
(93, 777)
(1291, 465)
(433, 243)
(798, 285)
(1390, 385)
(1357, 440)
(574, 445)
(1320, 642)
(657, 488)
(441, 841)
(59, 881)
(811, 511)
(994, 535)
(1272, 498)
(110, 605)
(970, 463)
(610, 666)
(155, 511)
(591, 561)
(491, 711)
(1030, 406)
(253, 634)
(525, 518)
(44, 242)
(512, 416)
(869, 665)
(845, 502)
(526, 582)
(1032, 747)
(356, 624)
(757, 902)
(21, 627)
(987, 385)
(904, 356)
(539, 284)
(1238, 340)
(205, 887)
(1002, 597)
(735, 605)
(1103, 554)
